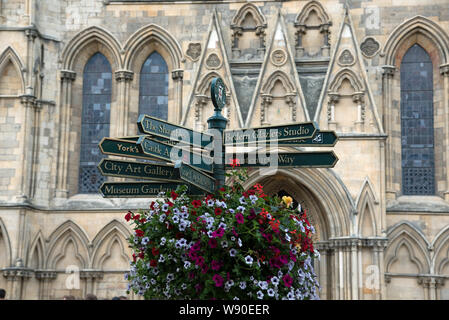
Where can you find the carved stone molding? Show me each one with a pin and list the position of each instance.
(346, 58)
(45, 274)
(68, 75)
(194, 51)
(91, 274)
(124, 75)
(213, 61)
(388, 71)
(16, 273)
(369, 47)
(444, 69)
(177, 74)
(28, 100)
(278, 57)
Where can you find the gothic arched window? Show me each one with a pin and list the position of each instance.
(153, 90)
(417, 137)
(97, 82)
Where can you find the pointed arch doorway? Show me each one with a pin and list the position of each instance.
(281, 185)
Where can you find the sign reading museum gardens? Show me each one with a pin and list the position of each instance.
(175, 155)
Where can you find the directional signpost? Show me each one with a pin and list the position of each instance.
(322, 159)
(169, 131)
(180, 159)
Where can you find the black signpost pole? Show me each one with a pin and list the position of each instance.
(218, 122)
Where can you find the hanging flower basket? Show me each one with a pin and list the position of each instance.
(235, 244)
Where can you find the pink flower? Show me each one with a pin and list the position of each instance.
(284, 259)
(288, 281)
(239, 218)
(212, 243)
(218, 233)
(215, 265)
(218, 280)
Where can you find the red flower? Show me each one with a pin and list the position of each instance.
(136, 217)
(239, 218)
(215, 265)
(128, 216)
(212, 243)
(218, 280)
(288, 281)
(141, 255)
(170, 204)
(218, 211)
(222, 189)
(139, 233)
(155, 251)
(134, 257)
(152, 205)
(234, 163)
(174, 195)
(196, 203)
(153, 262)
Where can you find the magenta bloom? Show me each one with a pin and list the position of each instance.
(218, 233)
(215, 265)
(284, 259)
(288, 281)
(212, 243)
(292, 257)
(199, 261)
(218, 280)
(239, 218)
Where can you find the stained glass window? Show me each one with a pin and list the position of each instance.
(417, 133)
(97, 82)
(153, 91)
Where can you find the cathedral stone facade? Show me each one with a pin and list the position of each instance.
(376, 72)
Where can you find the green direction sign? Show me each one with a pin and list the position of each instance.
(138, 170)
(122, 147)
(163, 151)
(218, 93)
(160, 128)
(321, 159)
(293, 131)
(320, 139)
(141, 189)
(197, 178)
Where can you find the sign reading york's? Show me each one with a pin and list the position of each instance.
(177, 155)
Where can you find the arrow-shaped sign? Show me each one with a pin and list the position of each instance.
(197, 178)
(141, 189)
(164, 151)
(160, 128)
(320, 139)
(138, 170)
(293, 131)
(122, 147)
(321, 159)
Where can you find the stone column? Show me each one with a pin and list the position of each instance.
(237, 32)
(333, 100)
(16, 277)
(260, 32)
(67, 78)
(45, 278)
(291, 101)
(325, 49)
(439, 282)
(300, 32)
(91, 276)
(201, 103)
(354, 269)
(177, 76)
(124, 79)
(444, 70)
(360, 122)
(388, 73)
(267, 99)
(28, 101)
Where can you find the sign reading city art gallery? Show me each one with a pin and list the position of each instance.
(141, 189)
(163, 151)
(264, 134)
(160, 128)
(326, 159)
(138, 170)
